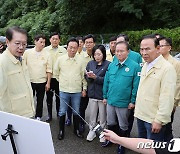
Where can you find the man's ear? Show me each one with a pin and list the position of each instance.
(7, 42)
(158, 48)
(170, 48)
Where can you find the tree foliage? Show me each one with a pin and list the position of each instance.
(77, 17)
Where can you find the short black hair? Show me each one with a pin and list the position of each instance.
(126, 38)
(153, 37)
(54, 33)
(89, 36)
(79, 38)
(38, 36)
(113, 38)
(73, 39)
(168, 40)
(124, 42)
(157, 34)
(101, 48)
(9, 32)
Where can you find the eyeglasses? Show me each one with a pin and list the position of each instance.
(164, 45)
(18, 44)
(88, 42)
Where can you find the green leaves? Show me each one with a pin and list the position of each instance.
(80, 17)
(131, 7)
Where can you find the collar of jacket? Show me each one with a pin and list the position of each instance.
(170, 59)
(11, 57)
(158, 63)
(86, 55)
(126, 63)
(68, 58)
(112, 54)
(101, 63)
(53, 48)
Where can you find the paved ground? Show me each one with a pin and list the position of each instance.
(73, 145)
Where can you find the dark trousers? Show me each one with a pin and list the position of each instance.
(39, 90)
(54, 86)
(168, 131)
(130, 121)
(83, 106)
(69, 113)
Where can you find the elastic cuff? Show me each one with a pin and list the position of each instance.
(157, 121)
(85, 89)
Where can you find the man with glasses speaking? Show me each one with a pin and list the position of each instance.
(15, 89)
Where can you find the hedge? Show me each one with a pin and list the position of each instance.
(135, 37)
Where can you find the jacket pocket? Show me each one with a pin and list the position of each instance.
(112, 76)
(15, 80)
(63, 83)
(21, 105)
(14, 72)
(152, 103)
(127, 79)
(155, 77)
(78, 83)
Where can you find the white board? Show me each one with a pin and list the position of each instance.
(34, 137)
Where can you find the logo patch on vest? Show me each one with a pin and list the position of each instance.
(127, 69)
